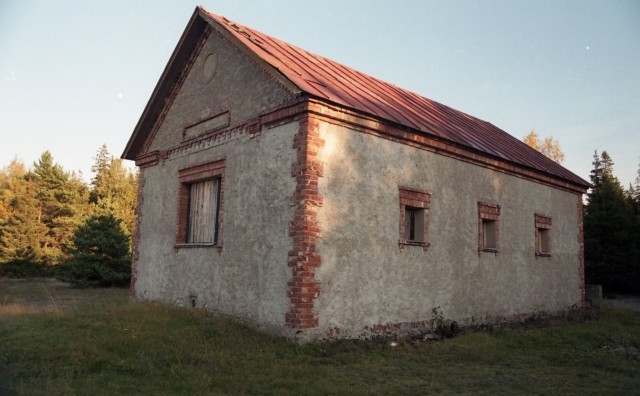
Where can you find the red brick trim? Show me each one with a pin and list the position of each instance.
(252, 128)
(414, 198)
(368, 124)
(583, 301)
(488, 211)
(542, 222)
(303, 288)
(149, 159)
(135, 253)
(193, 174)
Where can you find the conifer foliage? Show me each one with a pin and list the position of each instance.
(100, 256)
(611, 231)
(43, 208)
(114, 189)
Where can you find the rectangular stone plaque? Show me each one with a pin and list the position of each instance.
(205, 126)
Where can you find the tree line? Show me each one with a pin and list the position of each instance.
(51, 218)
(612, 229)
(47, 213)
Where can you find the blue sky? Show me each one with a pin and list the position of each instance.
(77, 74)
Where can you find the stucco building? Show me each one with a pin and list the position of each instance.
(315, 201)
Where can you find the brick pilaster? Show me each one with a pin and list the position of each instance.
(303, 288)
(583, 300)
(135, 253)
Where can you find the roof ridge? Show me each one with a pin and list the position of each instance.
(340, 84)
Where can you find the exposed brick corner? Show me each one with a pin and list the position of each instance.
(303, 288)
(135, 254)
(583, 301)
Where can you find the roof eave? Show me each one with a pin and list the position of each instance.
(579, 185)
(199, 21)
(189, 37)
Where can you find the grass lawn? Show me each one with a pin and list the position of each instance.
(117, 347)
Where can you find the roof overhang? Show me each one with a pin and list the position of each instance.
(181, 53)
(313, 76)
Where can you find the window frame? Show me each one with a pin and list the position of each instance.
(488, 214)
(187, 178)
(193, 223)
(416, 201)
(543, 225)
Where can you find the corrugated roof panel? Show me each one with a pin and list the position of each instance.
(332, 81)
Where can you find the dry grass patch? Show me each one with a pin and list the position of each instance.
(128, 348)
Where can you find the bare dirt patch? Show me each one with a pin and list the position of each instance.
(22, 296)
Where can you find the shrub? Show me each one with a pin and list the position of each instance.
(100, 254)
(23, 268)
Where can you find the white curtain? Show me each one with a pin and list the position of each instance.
(203, 204)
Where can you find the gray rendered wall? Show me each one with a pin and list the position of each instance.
(238, 85)
(367, 280)
(248, 278)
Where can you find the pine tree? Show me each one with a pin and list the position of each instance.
(610, 231)
(22, 234)
(100, 180)
(61, 205)
(10, 177)
(114, 189)
(634, 193)
(633, 200)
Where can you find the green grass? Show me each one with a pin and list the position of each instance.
(152, 349)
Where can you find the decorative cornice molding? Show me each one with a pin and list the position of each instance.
(364, 123)
(368, 124)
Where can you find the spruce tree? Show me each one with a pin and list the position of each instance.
(610, 231)
(114, 189)
(100, 256)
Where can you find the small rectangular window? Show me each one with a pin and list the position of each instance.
(414, 208)
(488, 227)
(200, 203)
(543, 241)
(543, 235)
(414, 224)
(489, 234)
(203, 211)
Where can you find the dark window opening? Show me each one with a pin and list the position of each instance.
(414, 224)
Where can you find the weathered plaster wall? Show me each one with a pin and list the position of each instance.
(248, 277)
(366, 280)
(238, 85)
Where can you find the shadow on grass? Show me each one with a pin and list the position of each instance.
(117, 347)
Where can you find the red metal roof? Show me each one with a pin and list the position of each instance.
(331, 81)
